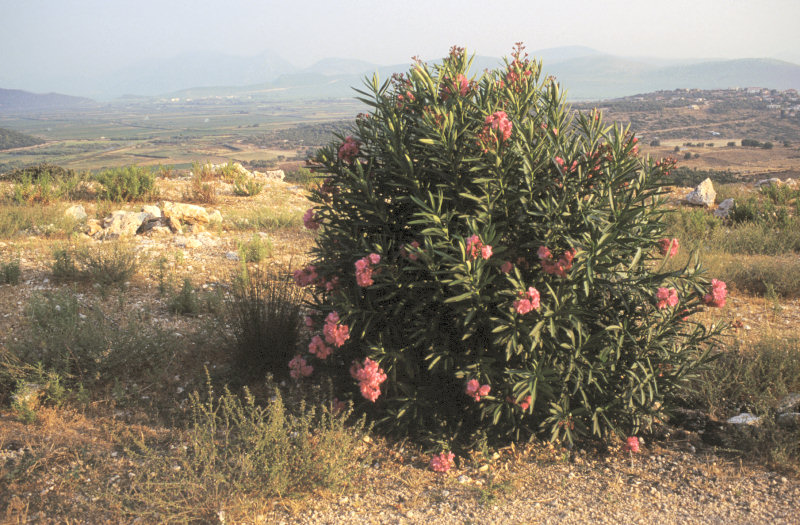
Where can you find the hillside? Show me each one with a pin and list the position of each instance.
(12, 139)
(17, 100)
(720, 115)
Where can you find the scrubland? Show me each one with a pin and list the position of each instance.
(145, 378)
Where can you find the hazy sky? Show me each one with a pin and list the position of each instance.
(43, 39)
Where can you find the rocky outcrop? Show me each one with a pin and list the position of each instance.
(76, 212)
(170, 218)
(724, 209)
(185, 213)
(703, 195)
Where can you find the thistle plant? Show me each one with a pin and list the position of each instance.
(489, 264)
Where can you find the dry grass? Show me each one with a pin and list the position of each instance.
(104, 448)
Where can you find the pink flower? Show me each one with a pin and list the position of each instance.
(559, 267)
(497, 129)
(306, 276)
(442, 462)
(309, 321)
(365, 268)
(405, 251)
(506, 267)
(309, 220)
(719, 291)
(632, 444)
(668, 247)
(528, 301)
(666, 297)
(500, 124)
(370, 376)
(476, 247)
(332, 284)
(335, 334)
(318, 347)
(348, 150)
(460, 86)
(475, 390)
(299, 368)
(525, 403)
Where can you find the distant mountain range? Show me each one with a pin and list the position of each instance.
(585, 73)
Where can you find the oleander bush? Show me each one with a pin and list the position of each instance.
(488, 266)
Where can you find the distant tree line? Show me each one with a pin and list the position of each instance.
(750, 143)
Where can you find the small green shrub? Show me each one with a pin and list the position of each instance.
(256, 249)
(237, 453)
(10, 272)
(202, 189)
(41, 190)
(186, 301)
(264, 311)
(487, 264)
(228, 172)
(131, 183)
(108, 264)
(81, 343)
(245, 186)
(64, 268)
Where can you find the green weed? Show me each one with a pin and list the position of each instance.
(237, 451)
(10, 272)
(255, 250)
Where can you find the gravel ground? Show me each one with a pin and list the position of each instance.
(660, 485)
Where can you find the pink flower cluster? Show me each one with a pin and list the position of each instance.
(460, 86)
(299, 368)
(528, 301)
(335, 333)
(348, 151)
(475, 390)
(310, 220)
(405, 251)
(475, 248)
(556, 267)
(332, 284)
(370, 377)
(719, 291)
(318, 347)
(306, 276)
(506, 267)
(500, 124)
(524, 404)
(442, 462)
(364, 268)
(668, 246)
(496, 129)
(563, 165)
(632, 444)
(666, 297)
